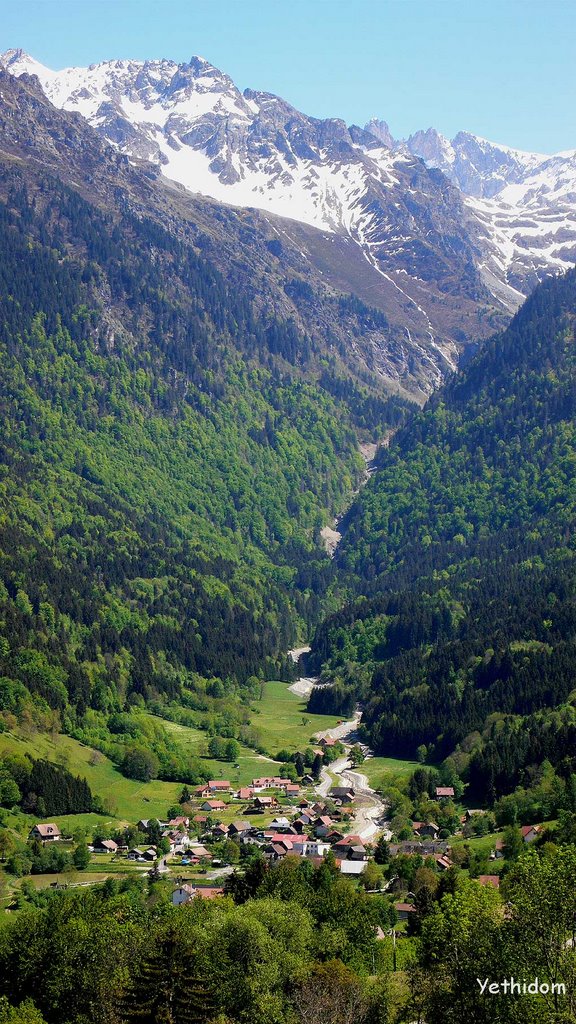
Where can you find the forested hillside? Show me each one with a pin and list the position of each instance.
(463, 548)
(169, 449)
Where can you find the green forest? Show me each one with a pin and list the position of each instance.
(462, 547)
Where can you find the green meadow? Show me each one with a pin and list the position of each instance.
(280, 718)
(283, 721)
(384, 771)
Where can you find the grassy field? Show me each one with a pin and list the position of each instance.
(283, 721)
(383, 771)
(280, 717)
(127, 799)
(251, 764)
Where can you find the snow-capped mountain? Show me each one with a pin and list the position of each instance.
(448, 250)
(524, 203)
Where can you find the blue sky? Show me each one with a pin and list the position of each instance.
(500, 68)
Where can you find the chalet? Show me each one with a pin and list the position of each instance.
(444, 792)
(202, 791)
(404, 910)
(280, 824)
(239, 828)
(319, 808)
(292, 789)
(46, 833)
(426, 829)
(245, 793)
(334, 836)
(137, 854)
(493, 880)
(199, 819)
(327, 742)
(263, 802)
(213, 805)
(180, 822)
(105, 846)
(199, 851)
(350, 848)
(442, 862)
(220, 831)
(323, 825)
(219, 786)
(344, 794)
(530, 833)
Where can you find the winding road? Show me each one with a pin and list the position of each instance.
(369, 808)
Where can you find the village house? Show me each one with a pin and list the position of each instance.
(342, 794)
(183, 894)
(442, 861)
(426, 829)
(264, 802)
(404, 910)
(270, 782)
(213, 805)
(493, 880)
(219, 786)
(323, 825)
(327, 742)
(351, 867)
(180, 822)
(530, 833)
(350, 848)
(201, 791)
(444, 792)
(239, 828)
(199, 851)
(46, 833)
(220, 831)
(105, 846)
(245, 793)
(334, 836)
(149, 854)
(143, 824)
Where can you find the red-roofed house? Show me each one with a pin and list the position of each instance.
(213, 805)
(530, 833)
(444, 792)
(404, 910)
(245, 793)
(493, 880)
(219, 786)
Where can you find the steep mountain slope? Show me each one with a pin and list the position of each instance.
(172, 440)
(508, 223)
(466, 535)
(382, 216)
(256, 253)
